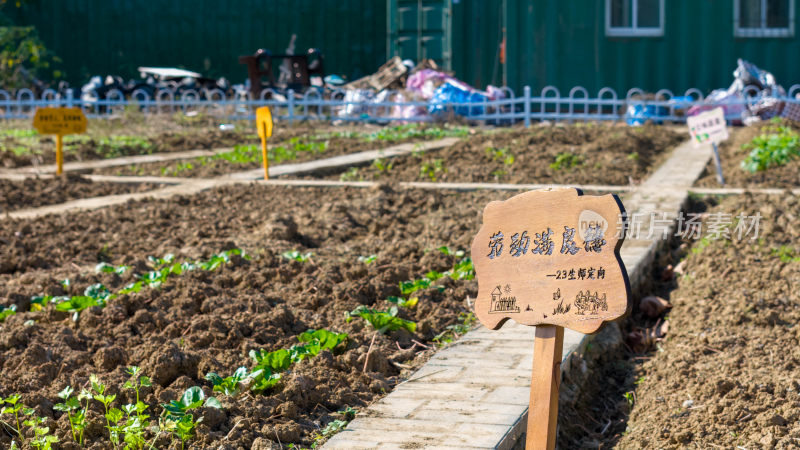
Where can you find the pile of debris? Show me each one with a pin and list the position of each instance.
(753, 96)
(154, 79)
(425, 90)
(749, 82)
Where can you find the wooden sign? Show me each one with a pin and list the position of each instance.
(708, 127)
(550, 258)
(59, 121)
(264, 127)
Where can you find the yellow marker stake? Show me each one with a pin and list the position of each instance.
(59, 121)
(264, 127)
(264, 156)
(59, 154)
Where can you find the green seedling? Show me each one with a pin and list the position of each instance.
(410, 131)
(99, 394)
(7, 311)
(192, 398)
(382, 321)
(452, 332)
(566, 160)
(776, 147)
(316, 341)
(462, 270)
(500, 155)
(231, 385)
(402, 302)
(94, 295)
(633, 156)
(784, 253)
(42, 439)
(498, 174)
(116, 146)
(104, 267)
(367, 259)
(13, 408)
(76, 411)
(352, 174)
(630, 397)
(409, 287)
(450, 252)
(432, 169)
(295, 255)
(701, 245)
(382, 165)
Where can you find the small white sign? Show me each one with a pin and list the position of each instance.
(708, 127)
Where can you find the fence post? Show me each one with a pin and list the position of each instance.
(527, 95)
(290, 99)
(69, 97)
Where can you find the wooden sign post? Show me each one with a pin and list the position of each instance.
(59, 121)
(709, 126)
(264, 127)
(550, 259)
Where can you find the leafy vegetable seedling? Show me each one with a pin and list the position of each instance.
(367, 259)
(381, 321)
(6, 311)
(295, 255)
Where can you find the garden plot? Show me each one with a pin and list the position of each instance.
(725, 374)
(314, 145)
(766, 155)
(584, 153)
(232, 270)
(22, 146)
(134, 134)
(32, 192)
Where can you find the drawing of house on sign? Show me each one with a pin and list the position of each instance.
(500, 304)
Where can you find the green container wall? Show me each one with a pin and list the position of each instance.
(563, 43)
(560, 43)
(99, 37)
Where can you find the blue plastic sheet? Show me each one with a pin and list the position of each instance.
(452, 93)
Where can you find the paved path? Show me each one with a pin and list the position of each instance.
(474, 394)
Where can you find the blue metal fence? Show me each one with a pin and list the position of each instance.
(386, 107)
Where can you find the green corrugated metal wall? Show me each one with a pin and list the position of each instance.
(117, 36)
(560, 43)
(563, 43)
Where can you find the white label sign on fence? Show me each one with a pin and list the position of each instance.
(708, 127)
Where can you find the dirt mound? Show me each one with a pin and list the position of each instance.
(208, 321)
(585, 153)
(725, 375)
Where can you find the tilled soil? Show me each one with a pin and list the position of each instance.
(725, 375)
(33, 192)
(589, 153)
(208, 321)
(204, 167)
(732, 154)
